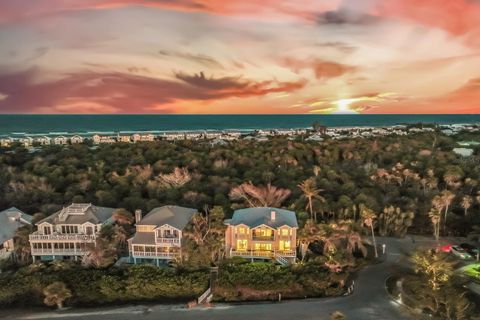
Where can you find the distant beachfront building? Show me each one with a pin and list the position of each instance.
(314, 137)
(193, 135)
(218, 142)
(159, 234)
(97, 139)
(44, 141)
(172, 136)
(213, 134)
(6, 142)
(26, 141)
(137, 137)
(68, 233)
(10, 221)
(262, 233)
(60, 140)
(76, 139)
(284, 132)
(123, 138)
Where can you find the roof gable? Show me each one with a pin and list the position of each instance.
(80, 213)
(175, 216)
(254, 217)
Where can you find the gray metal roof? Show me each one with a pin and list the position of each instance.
(80, 213)
(10, 220)
(175, 216)
(254, 217)
(145, 238)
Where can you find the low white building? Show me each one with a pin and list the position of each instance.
(123, 138)
(97, 139)
(60, 140)
(76, 139)
(6, 142)
(314, 137)
(26, 141)
(44, 141)
(144, 137)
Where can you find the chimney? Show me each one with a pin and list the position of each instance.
(272, 215)
(138, 215)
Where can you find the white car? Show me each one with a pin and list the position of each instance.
(460, 252)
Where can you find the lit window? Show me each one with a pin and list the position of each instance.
(242, 244)
(284, 232)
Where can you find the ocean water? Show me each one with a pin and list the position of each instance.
(17, 125)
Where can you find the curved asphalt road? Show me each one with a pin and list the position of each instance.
(369, 300)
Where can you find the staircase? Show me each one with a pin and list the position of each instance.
(206, 297)
(281, 259)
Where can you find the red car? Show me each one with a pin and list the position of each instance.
(446, 248)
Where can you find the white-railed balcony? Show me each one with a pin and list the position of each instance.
(262, 253)
(168, 241)
(54, 237)
(154, 255)
(57, 252)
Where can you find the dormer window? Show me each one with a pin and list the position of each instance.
(70, 229)
(47, 230)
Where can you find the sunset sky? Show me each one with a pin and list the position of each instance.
(232, 56)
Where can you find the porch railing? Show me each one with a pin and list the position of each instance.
(62, 237)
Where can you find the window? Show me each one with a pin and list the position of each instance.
(70, 229)
(263, 246)
(285, 245)
(47, 230)
(241, 230)
(242, 244)
(284, 232)
(150, 249)
(89, 230)
(263, 232)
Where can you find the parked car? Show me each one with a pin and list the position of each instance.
(460, 252)
(472, 250)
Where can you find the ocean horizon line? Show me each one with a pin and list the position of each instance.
(89, 124)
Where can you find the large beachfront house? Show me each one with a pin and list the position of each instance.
(67, 233)
(262, 233)
(158, 236)
(10, 221)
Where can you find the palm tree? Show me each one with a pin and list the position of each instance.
(56, 294)
(368, 217)
(21, 246)
(447, 198)
(306, 236)
(310, 192)
(466, 203)
(435, 217)
(120, 238)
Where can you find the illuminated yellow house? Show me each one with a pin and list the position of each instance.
(262, 233)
